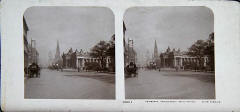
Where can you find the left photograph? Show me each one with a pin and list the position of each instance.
(69, 53)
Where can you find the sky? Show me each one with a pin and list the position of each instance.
(74, 27)
(176, 27)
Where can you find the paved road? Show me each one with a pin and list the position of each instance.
(70, 85)
(152, 84)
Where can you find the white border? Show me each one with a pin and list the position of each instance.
(226, 26)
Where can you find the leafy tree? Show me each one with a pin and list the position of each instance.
(111, 53)
(203, 48)
(92, 66)
(100, 51)
(111, 47)
(198, 50)
(209, 51)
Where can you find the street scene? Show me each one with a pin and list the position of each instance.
(69, 53)
(54, 84)
(151, 84)
(169, 53)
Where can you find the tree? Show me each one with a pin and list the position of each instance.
(209, 51)
(111, 53)
(198, 50)
(111, 47)
(100, 51)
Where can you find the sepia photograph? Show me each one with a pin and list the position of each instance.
(69, 53)
(169, 53)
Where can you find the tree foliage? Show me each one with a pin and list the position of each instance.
(197, 49)
(111, 47)
(203, 48)
(100, 51)
(209, 51)
(104, 49)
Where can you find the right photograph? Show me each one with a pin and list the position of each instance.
(169, 53)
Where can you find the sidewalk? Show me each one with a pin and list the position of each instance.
(187, 72)
(68, 70)
(191, 73)
(89, 73)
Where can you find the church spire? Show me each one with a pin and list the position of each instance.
(155, 50)
(57, 55)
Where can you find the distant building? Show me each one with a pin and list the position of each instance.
(69, 59)
(176, 58)
(50, 58)
(31, 54)
(26, 45)
(156, 58)
(83, 58)
(58, 59)
(78, 59)
(34, 55)
(130, 54)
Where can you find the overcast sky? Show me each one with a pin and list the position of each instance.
(76, 27)
(176, 27)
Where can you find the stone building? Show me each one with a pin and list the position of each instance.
(130, 54)
(156, 58)
(34, 55)
(84, 57)
(69, 59)
(31, 54)
(176, 58)
(26, 45)
(78, 59)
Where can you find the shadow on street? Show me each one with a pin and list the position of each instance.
(198, 76)
(109, 78)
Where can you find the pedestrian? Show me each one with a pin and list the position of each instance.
(176, 68)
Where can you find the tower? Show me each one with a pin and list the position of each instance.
(155, 55)
(50, 58)
(57, 55)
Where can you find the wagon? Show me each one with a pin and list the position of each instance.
(33, 69)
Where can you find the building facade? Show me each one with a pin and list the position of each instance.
(26, 45)
(34, 55)
(69, 59)
(176, 58)
(31, 54)
(130, 54)
(80, 59)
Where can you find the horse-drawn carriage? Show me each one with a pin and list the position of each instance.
(33, 70)
(131, 70)
(152, 66)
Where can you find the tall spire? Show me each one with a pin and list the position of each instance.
(155, 50)
(168, 49)
(57, 55)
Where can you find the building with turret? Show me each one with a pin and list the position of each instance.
(69, 59)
